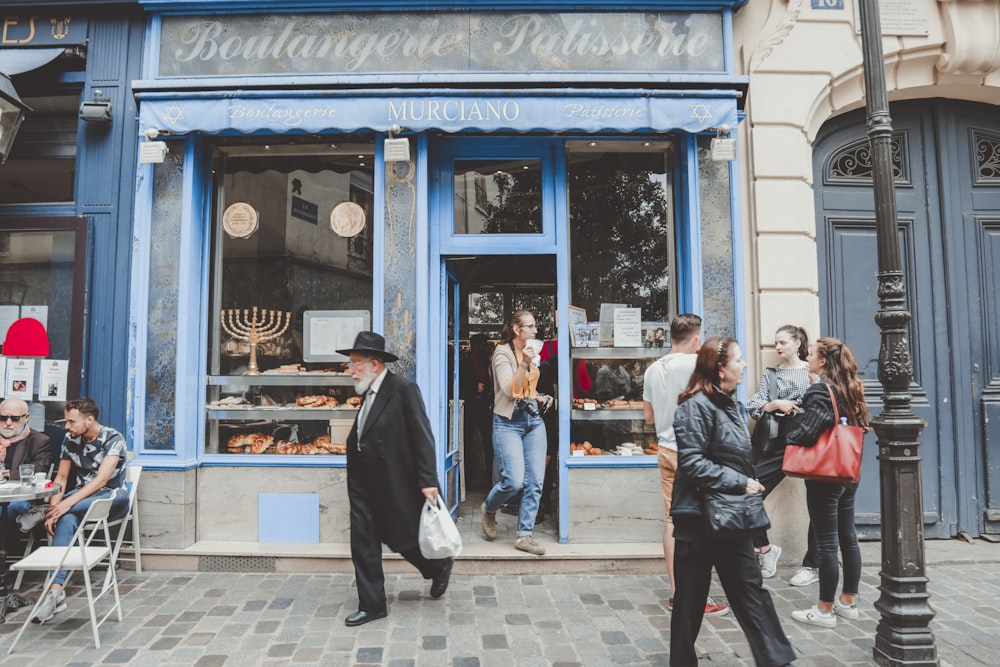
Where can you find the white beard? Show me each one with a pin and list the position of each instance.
(362, 384)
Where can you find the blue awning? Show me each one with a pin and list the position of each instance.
(18, 61)
(460, 111)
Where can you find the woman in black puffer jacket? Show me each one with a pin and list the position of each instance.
(713, 454)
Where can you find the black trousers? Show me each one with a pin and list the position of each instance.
(366, 552)
(769, 473)
(736, 564)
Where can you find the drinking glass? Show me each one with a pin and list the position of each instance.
(26, 471)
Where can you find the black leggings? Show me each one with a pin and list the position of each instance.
(831, 511)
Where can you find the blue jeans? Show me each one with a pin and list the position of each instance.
(831, 512)
(519, 451)
(70, 521)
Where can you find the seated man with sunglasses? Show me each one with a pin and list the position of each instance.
(92, 467)
(20, 444)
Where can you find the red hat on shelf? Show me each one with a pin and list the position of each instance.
(26, 337)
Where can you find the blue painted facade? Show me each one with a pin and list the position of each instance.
(103, 188)
(168, 316)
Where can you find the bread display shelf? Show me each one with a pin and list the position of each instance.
(281, 380)
(607, 413)
(619, 352)
(282, 412)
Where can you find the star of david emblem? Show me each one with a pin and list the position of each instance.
(701, 111)
(175, 113)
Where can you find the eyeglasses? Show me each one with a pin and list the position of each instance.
(12, 418)
(358, 364)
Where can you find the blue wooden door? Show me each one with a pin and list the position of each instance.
(951, 258)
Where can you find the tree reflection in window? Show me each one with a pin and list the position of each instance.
(622, 246)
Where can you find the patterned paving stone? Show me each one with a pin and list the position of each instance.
(259, 620)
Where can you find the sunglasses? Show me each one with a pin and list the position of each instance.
(12, 418)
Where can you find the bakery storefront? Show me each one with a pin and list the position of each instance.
(422, 173)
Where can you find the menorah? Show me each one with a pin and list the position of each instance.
(248, 326)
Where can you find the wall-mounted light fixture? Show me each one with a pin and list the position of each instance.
(11, 114)
(723, 147)
(396, 148)
(98, 110)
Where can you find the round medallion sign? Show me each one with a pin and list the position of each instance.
(347, 219)
(240, 220)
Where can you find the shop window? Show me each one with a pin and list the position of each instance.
(622, 254)
(498, 197)
(622, 237)
(42, 277)
(42, 164)
(291, 239)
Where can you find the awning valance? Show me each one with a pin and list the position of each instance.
(484, 111)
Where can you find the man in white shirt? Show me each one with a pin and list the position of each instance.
(663, 382)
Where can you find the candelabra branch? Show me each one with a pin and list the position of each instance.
(254, 326)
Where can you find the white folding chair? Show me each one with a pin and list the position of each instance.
(130, 520)
(84, 552)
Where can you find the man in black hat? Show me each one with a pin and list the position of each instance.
(391, 469)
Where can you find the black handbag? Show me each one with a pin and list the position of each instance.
(730, 516)
(768, 434)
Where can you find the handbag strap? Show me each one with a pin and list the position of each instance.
(833, 399)
(772, 384)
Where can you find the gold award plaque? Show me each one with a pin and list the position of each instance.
(240, 220)
(347, 219)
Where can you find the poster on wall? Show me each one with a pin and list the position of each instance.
(8, 315)
(628, 327)
(52, 382)
(20, 378)
(40, 313)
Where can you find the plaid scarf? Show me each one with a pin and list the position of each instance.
(5, 443)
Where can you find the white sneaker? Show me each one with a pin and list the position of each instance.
(813, 616)
(848, 611)
(769, 561)
(804, 577)
(34, 516)
(51, 605)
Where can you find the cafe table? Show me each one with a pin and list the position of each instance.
(11, 491)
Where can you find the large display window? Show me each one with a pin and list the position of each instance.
(291, 280)
(623, 253)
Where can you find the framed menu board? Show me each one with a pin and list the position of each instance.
(326, 331)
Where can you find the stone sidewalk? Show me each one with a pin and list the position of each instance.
(208, 619)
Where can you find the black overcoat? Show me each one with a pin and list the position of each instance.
(396, 460)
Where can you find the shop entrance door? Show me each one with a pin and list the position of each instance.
(493, 234)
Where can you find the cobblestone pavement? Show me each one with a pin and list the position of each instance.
(238, 619)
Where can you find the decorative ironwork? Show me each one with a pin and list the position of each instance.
(852, 163)
(986, 148)
(903, 637)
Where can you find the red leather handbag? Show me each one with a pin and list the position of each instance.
(836, 456)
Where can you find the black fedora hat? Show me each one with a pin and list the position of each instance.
(371, 344)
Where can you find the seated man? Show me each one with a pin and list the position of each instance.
(92, 467)
(20, 444)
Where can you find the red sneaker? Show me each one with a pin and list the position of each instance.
(713, 608)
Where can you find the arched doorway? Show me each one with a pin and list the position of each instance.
(946, 159)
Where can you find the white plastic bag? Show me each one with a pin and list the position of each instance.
(438, 536)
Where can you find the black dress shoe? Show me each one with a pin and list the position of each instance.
(440, 582)
(361, 617)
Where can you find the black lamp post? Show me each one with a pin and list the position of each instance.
(11, 114)
(903, 636)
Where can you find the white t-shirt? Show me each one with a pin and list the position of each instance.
(663, 382)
